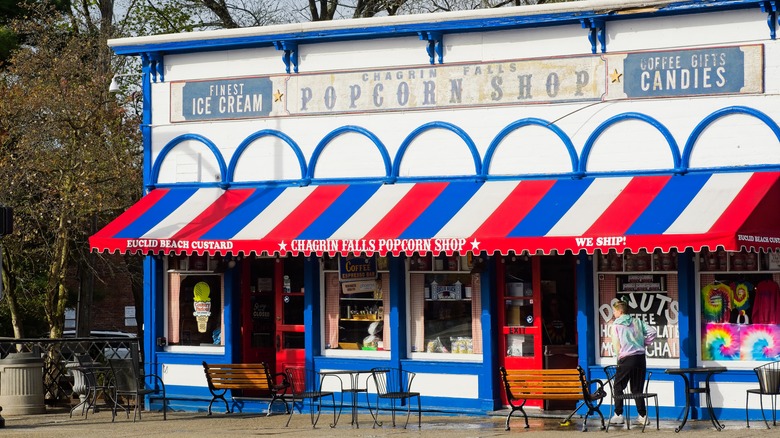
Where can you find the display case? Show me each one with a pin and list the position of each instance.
(445, 320)
(357, 311)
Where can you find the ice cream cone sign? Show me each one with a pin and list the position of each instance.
(202, 304)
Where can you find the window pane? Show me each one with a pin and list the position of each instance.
(651, 296)
(444, 313)
(292, 310)
(357, 312)
(739, 321)
(195, 309)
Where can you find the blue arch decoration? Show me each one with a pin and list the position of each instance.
(723, 112)
(178, 140)
(531, 121)
(268, 133)
(344, 130)
(673, 148)
(438, 125)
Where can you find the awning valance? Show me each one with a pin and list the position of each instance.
(728, 210)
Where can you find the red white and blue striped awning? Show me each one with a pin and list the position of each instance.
(728, 210)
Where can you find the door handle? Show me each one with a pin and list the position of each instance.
(278, 343)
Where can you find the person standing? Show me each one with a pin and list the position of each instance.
(630, 335)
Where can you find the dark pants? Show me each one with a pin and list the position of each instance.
(631, 369)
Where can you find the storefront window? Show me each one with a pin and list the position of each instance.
(648, 283)
(357, 304)
(444, 305)
(740, 306)
(195, 298)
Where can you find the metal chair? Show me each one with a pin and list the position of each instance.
(96, 380)
(768, 376)
(305, 384)
(130, 381)
(611, 370)
(395, 385)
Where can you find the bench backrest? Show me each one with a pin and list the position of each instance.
(238, 376)
(562, 384)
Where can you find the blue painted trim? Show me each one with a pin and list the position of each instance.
(344, 130)
(770, 8)
(686, 322)
(311, 309)
(442, 24)
(146, 120)
(153, 306)
(158, 66)
(290, 56)
(531, 121)
(182, 138)
(489, 388)
(671, 142)
(231, 169)
(399, 344)
(435, 47)
(723, 112)
(597, 29)
(438, 125)
(232, 283)
(579, 164)
(731, 169)
(587, 346)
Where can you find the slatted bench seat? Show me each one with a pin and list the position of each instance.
(561, 384)
(253, 377)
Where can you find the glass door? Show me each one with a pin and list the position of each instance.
(520, 317)
(258, 329)
(290, 332)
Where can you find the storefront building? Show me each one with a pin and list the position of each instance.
(451, 193)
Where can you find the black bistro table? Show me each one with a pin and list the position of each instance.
(687, 375)
(354, 389)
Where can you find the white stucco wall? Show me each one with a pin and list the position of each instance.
(626, 146)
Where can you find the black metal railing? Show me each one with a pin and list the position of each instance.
(58, 353)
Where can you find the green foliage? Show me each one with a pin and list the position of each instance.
(8, 43)
(70, 153)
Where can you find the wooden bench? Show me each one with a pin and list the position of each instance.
(561, 384)
(241, 377)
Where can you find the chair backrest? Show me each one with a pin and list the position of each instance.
(611, 371)
(85, 363)
(300, 379)
(125, 375)
(392, 380)
(769, 377)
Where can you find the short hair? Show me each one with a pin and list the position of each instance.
(621, 305)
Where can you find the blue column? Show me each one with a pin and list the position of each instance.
(153, 306)
(311, 309)
(231, 314)
(686, 323)
(587, 317)
(398, 341)
(489, 389)
(686, 315)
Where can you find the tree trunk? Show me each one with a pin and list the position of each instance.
(9, 290)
